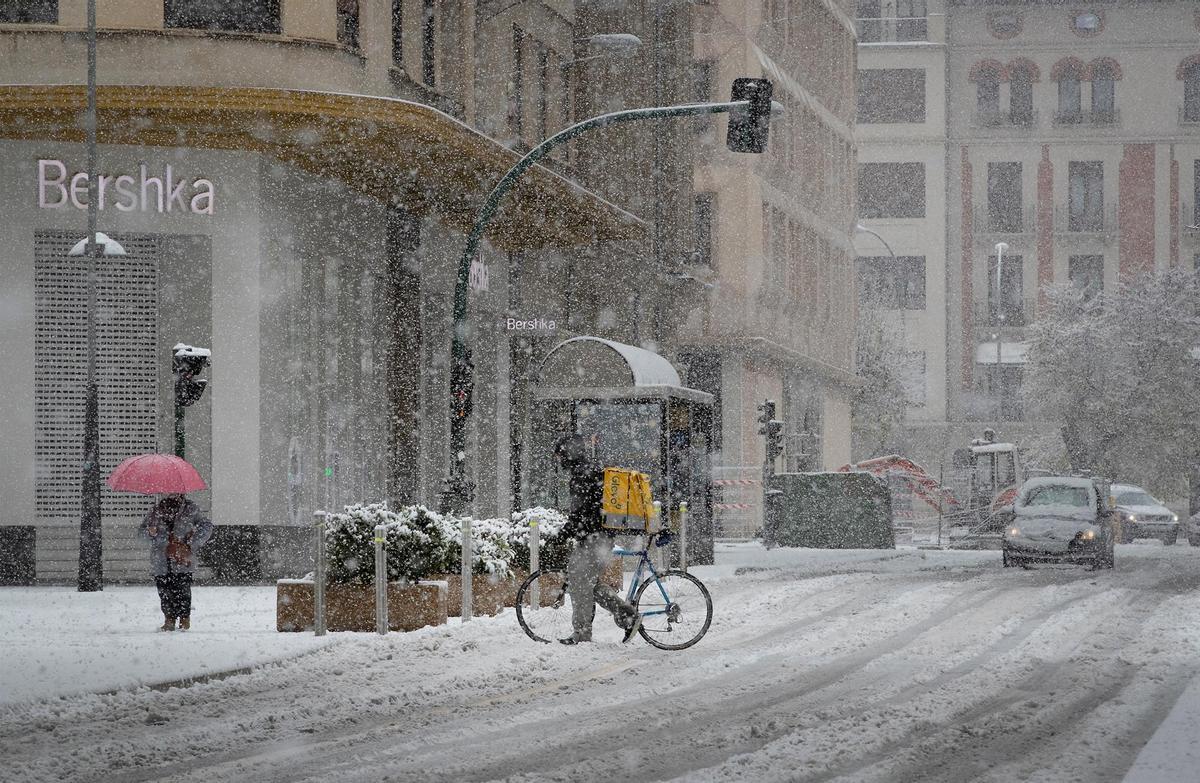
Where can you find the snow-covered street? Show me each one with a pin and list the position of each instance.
(864, 666)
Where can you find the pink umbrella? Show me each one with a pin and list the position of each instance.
(156, 474)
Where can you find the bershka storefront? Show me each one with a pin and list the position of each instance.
(312, 256)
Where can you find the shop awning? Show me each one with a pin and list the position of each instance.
(1010, 353)
(595, 368)
(388, 148)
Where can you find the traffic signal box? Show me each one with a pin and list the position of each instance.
(748, 127)
(627, 505)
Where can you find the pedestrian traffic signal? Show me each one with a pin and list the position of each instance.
(462, 386)
(774, 439)
(187, 362)
(749, 125)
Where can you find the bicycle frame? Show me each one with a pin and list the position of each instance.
(643, 563)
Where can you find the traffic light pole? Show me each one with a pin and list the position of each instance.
(458, 491)
(180, 445)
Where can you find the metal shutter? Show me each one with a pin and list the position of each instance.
(127, 367)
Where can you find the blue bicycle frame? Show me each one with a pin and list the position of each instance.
(643, 563)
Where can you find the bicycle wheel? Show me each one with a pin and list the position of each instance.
(550, 620)
(676, 610)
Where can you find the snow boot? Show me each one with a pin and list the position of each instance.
(168, 623)
(576, 638)
(185, 623)
(633, 628)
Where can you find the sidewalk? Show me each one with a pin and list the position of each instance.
(56, 641)
(1172, 754)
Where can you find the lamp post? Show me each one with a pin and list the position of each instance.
(90, 575)
(1000, 248)
(748, 133)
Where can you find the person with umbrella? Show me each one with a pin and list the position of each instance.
(175, 528)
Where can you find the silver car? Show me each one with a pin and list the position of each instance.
(1061, 519)
(1143, 516)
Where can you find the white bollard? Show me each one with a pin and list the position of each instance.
(381, 582)
(661, 555)
(467, 558)
(683, 536)
(535, 543)
(319, 575)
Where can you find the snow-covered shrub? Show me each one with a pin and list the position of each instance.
(553, 547)
(414, 543)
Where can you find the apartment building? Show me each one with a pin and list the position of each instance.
(1070, 139)
(774, 244)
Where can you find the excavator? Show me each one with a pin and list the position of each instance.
(972, 501)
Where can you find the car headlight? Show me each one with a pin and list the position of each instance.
(1014, 531)
(1088, 535)
(1131, 517)
(1174, 518)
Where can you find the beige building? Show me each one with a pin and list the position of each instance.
(775, 244)
(1071, 135)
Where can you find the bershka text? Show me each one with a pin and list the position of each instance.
(541, 324)
(144, 192)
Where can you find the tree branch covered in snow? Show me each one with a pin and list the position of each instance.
(1120, 372)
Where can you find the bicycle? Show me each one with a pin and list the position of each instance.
(678, 606)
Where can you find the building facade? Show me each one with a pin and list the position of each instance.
(1070, 136)
(774, 244)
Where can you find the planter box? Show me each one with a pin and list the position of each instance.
(487, 596)
(352, 607)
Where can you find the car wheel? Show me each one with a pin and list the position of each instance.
(1005, 560)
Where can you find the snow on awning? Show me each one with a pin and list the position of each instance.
(610, 362)
(1010, 353)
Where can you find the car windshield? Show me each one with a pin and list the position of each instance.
(1057, 495)
(1137, 498)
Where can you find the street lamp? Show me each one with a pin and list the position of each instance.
(1000, 248)
(91, 549)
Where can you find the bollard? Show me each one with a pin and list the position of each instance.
(535, 543)
(381, 585)
(683, 536)
(662, 555)
(467, 557)
(319, 576)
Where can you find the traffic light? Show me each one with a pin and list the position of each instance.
(766, 413)
(774, 439)
(187, 362)
(748, 127)
(462, 386)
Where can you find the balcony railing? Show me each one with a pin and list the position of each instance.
(892, 29)
(1006, 119)
(1093, 117)
(986, 227)
(1102, 225)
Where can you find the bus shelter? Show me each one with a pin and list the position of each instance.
(634, 412)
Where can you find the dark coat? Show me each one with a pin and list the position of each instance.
(586, 483)
(182, 522)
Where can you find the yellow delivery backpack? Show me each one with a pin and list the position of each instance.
(627, 505)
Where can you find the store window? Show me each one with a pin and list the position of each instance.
(987, 93)
(1004, 196)
(891, 190)
(1085, 208)
(892, 284)
(911, 24)
(1086, 275)
(891, 95)
(238, 16)
(870, 22)
(429, 42)
(1005, 304)
(398, 33)
(29, 11)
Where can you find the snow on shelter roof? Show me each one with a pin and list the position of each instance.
(987, 448)
(596, 362)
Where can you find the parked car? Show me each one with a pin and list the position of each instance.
(1143, 516)
(1061, 519)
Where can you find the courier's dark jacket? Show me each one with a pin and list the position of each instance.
(586, 482)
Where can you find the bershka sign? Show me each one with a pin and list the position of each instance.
(143, 192)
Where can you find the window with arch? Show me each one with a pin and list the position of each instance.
(1020, 83)
(1070, 104)
(1191, 92)
(987, 91)
(1104, 92)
